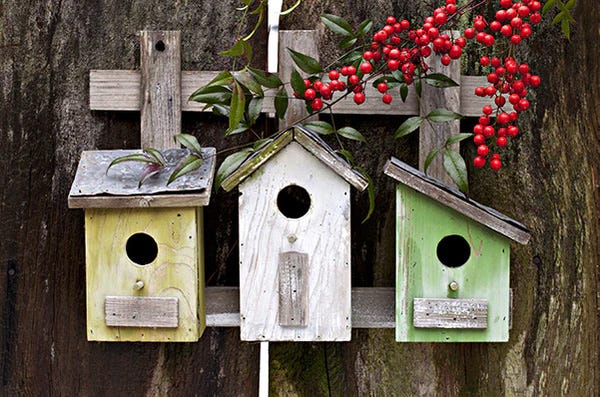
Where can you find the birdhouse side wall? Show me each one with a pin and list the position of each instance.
(320, 240)
(421, 224)
(174, 273)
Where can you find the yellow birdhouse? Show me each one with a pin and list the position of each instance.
(144, 248)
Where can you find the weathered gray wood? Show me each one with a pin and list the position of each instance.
(450, 313)
(160, 58)
(433, 135)
(293, 289)
(141, 201)
(137, 311)
(372, 307)
(450, 200)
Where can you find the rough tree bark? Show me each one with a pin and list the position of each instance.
(551, 184)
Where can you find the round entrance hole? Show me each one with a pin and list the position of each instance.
(453, 251)
(141, 248)
(293, 201)
(160, 46)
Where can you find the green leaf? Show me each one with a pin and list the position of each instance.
(409, 125)
(245, 79)
(419, 88)
(354, 56)
(430, 156)
(548, 5)
(186, 165)
(455, 166)
(370, 191)
(336, 24)
(364, 27)
(230, 164)
(156, 155)
(403, 92)
(190, 142)
(223, 78)
(351, 133)
(149, 171)
(306, 63)
(254, 108)
(458, 138)
(292, 8)
(212, 95)
(440, 80)
(558, 18)
(347, 42)
(131, 157)
(238, 105)
(261, 143)
(297, 82)
(566, 28)
(220, 110)
(439, 115)
(269, 80)
(347, 155)
(320, 127)
(281, 103)
(237, 129)
(235, 51)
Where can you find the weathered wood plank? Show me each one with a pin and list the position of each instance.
(371, 307)
(158, 200)
(160, 58)
(293, 291)
(450, 313)
(138, 311)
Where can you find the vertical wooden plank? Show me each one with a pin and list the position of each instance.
(433, 135)
(160, 60)
(293, 294)
(306, 42)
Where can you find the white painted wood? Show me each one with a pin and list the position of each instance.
(263, 377)
(323, 233)
(450, 313)
(139, 311)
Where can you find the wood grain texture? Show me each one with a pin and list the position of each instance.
(450, 313)
(293, 292)
(323, 233)
(160, 58)
(137, 311)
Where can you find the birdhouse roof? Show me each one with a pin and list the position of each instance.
(312, 143)
(453, 198)
(95, 186)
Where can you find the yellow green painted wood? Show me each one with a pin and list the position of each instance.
(421, 224)
(177, 271)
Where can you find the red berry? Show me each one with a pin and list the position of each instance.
(359, 98)
(524, 104)
(334, 75)
(307, 83)
(480, 91)
(366, 67)
(446, 60)
(523, 11)
(487, 109)
(490, 91)
(503, 118)
(367, 55)
(516, 22)
(325, 91)
(495, 164)
(484, 61)
(478, 129)
(535, 80)
(317, 85)
(515, 39)
(316, 104)
(455, 52)
(405, 24)
(440, 18)
(479, 24)
(479, 161)
(512, 131)
(514, 98)
(525, 32)
(344, 70)
(506, 30)
(495, 26)
(500, 101)
(387, 99)
(469, 33)
(382, 87)
(310, 94)
(501, 141)
(390, 20)
(479, 139)
(351, 70)
(506, 3)
(488, 131)
(353, 80)
(425, 51)
(488, 40)
(483, 150)
(461, 42)
(394, 64)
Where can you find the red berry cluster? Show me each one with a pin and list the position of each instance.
(508, 79)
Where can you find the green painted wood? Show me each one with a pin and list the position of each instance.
(175, 272)
(421, 224)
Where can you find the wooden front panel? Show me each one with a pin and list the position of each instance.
(450, 313)
(139, 311)
(293, 291)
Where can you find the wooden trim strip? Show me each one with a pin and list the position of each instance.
(141, 311)
(159, 200)
(450, 313)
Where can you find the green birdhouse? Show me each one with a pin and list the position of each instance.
(452, 262)
(144, 247)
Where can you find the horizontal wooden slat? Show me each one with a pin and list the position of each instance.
(137, 311)
(159, 200)
(450, 313)
(120, 90)
(371, 307)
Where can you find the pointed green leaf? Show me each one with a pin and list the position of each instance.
(281, 103)
(223, 78)
(403, 92)
(248, 81)
(269, 80)
(458, 138)
(320, 127)
(349, 59)
(418, 88)
(149, 171)
(235, 51)
(455, 166)
(212, 95)
(230, 164)
(238, 129)
(364, 27)
(558, 18)
(156, 155)
(220, 110)
(347, 155)
(254, 108)
(351, 133)
(566, 28)
(440, 80)
(186, 165)
(130, 157)
(292, 8)
(238, 105)
(190, 142)
(347, 42)
(306, 63)
(440, 115)
(297, 82)
(336, 24)
(548, 5)
(430, 156)
(370, 191)
(409, 125)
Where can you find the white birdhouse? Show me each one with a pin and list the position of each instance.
(294, 238)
